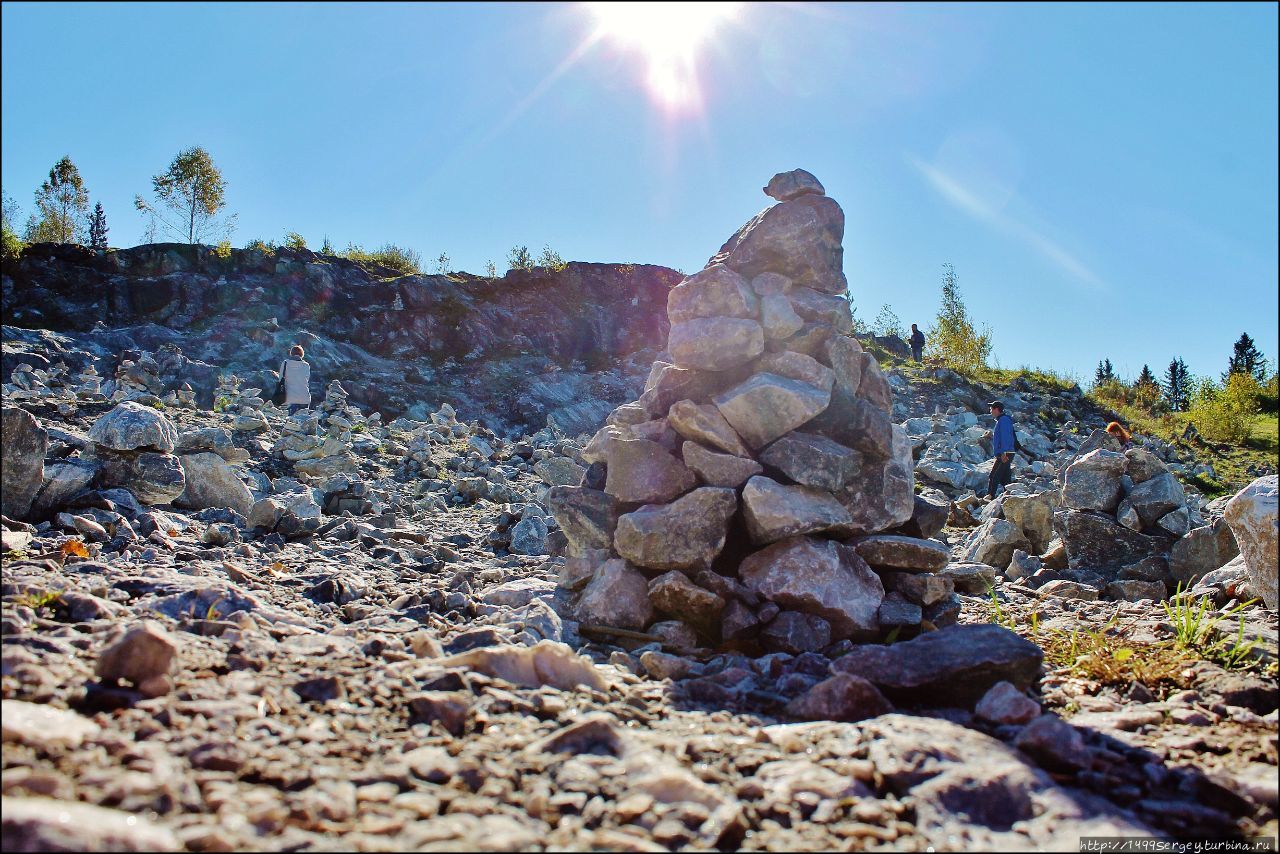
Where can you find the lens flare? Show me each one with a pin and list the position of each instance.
(667, 37)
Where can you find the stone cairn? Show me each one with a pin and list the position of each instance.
(757, 492)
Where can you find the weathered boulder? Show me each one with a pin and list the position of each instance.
(819, 577)
(715, 343)
(889, 551)
(142, 653)
(1155, 497)
(644, 471)
(841, 697)
(23, 443)
(705, 424)
(689, 532)
(794, 633)
(1252, 517)
(1201, 551)
(719, 469)
(1032, 514)
(617, 596)
(844, 355)
(773, 511)
(674, 594)
(588, 517)
(813, 460)
(800, 238)
(715, 291)
(778, 318)
(972, 579)
(131, 426)
(63, 480)
(796, 366)
(882, 496)
(1093, 481)
(927, 518)
(1143, 465)
(994, 543)
(210, 482)
(786, 186)
(153, 478)
(954, 666)
(559, 471)
(767, 406)
(1093, 540)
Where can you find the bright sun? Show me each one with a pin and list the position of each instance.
(667, 36)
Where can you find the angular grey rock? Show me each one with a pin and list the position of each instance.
(715, 291)
(1066, 589)
(1134, 590)
(142, 653)
(559, 471)
(23, 443)
(1143, 465)
(841, 697)
(800, 238)
(844, 355)
(1033, 514)
(767, 406)
(529, 537)
(856, 423)
(737, 621)
(796, 366)
(63, 481)
(1252, 516)
(48, 824)
(1055, 744)
(153, 478)
(687, 533)
(813, 460)
(994, 543)
(882, 496)
(971, 579)
(644, 471)
(897, 613)
(891, 551)
(829, 310)
(794, 633)
(1005, 704)
(1155, 497)
(1176, 523)
(773, 511)
(588, 517)
(778, 318)
(954, 666)
(715, 343)
(674, 594)
(1093, 481)
(818, 577)
(924, 589)
(265, 513)
(1094, 541)
(618, 596)
(873, 386)
(131, 427)
(1201, 551)
(786, 186)
(670, 384)
(719, 469)
(210, 482)
(770, 284)
(675, 634)
(927, 518)
(705, 424)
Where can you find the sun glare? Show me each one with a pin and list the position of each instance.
(667, 36)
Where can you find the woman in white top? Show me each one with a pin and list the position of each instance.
(296, 374)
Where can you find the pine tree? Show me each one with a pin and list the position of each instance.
(1146, 378)
(1104, 374)
(1247, 359)
(1177, 385)
(63, 205)
(98, 228)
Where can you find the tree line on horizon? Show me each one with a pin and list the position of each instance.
(188, 204)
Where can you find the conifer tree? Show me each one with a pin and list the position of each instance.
(98, 228)
(1177, 385)
(62, 203)
(1246, 359)
(1146, 378)
(1104, 374)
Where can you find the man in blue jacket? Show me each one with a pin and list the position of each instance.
(1002, 445)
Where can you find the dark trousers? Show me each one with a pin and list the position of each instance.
(1001, 474)
(916, 351)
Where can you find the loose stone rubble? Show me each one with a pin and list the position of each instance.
(726, 621)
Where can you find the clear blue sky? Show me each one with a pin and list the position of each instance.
(1103, 177)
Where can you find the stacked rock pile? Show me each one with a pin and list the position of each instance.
(744, 495)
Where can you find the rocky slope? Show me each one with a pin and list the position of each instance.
(534, 345)
(226, 629)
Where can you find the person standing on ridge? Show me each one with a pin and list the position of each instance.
(1003, 443)
(917, 342)
(295, 373)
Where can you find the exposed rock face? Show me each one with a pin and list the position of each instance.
(1252, 515)
(726, 412)
(23, 443)
(1093, 481)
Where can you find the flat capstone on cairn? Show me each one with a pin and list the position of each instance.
(757, 494)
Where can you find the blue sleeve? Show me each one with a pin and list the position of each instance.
(1002, 442)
